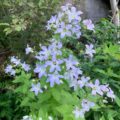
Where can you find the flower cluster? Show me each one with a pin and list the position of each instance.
(86, 106)
(16, 63)
(101, 89)
(51, 63)
(54, 68)
(66, 22)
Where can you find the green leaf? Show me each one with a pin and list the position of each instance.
(8, 31)
(23, 78)
(117, 100)
(18, 28)
(65, 110)
(102, 118)
(25, 101)
(4, 24)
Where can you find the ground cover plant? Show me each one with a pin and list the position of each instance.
(69, 78)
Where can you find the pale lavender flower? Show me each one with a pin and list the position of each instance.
(74, 84)
(26, 117)
(88, 23)
(52, 19)
(26, 67)
(55, 45)
(79, 113)
(55, 48)
(48, 26)
(73, 14)
(71, 62)
(9, 69)
(76, 29)
(104, 88)
(96, 88)
(28, 50)
(83, 81)
(74, 73)
(54, 64)
(54, 78)
(15, 60)
(60, 15)
(36, 88)
(12, 72)
(41, 70)
(44, 53)
(89, 50)
(52, 23)
(78, 72)
(78, 34)
(64, 30)
(66, 23)
(65, 8)
(110, 94)
(86, 105)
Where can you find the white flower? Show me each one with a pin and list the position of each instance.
(89, 50)
(28, 50)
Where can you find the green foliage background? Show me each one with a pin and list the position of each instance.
(23, 22)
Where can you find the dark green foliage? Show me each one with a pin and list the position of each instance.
(105, 31)
(24, 22)
(9, 101)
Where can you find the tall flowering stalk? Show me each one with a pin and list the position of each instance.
(55, 67)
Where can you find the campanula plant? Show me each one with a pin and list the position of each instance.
(56, 75)
(56, 87)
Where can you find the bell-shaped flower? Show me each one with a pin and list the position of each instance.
(54, 78)
(36, 88)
